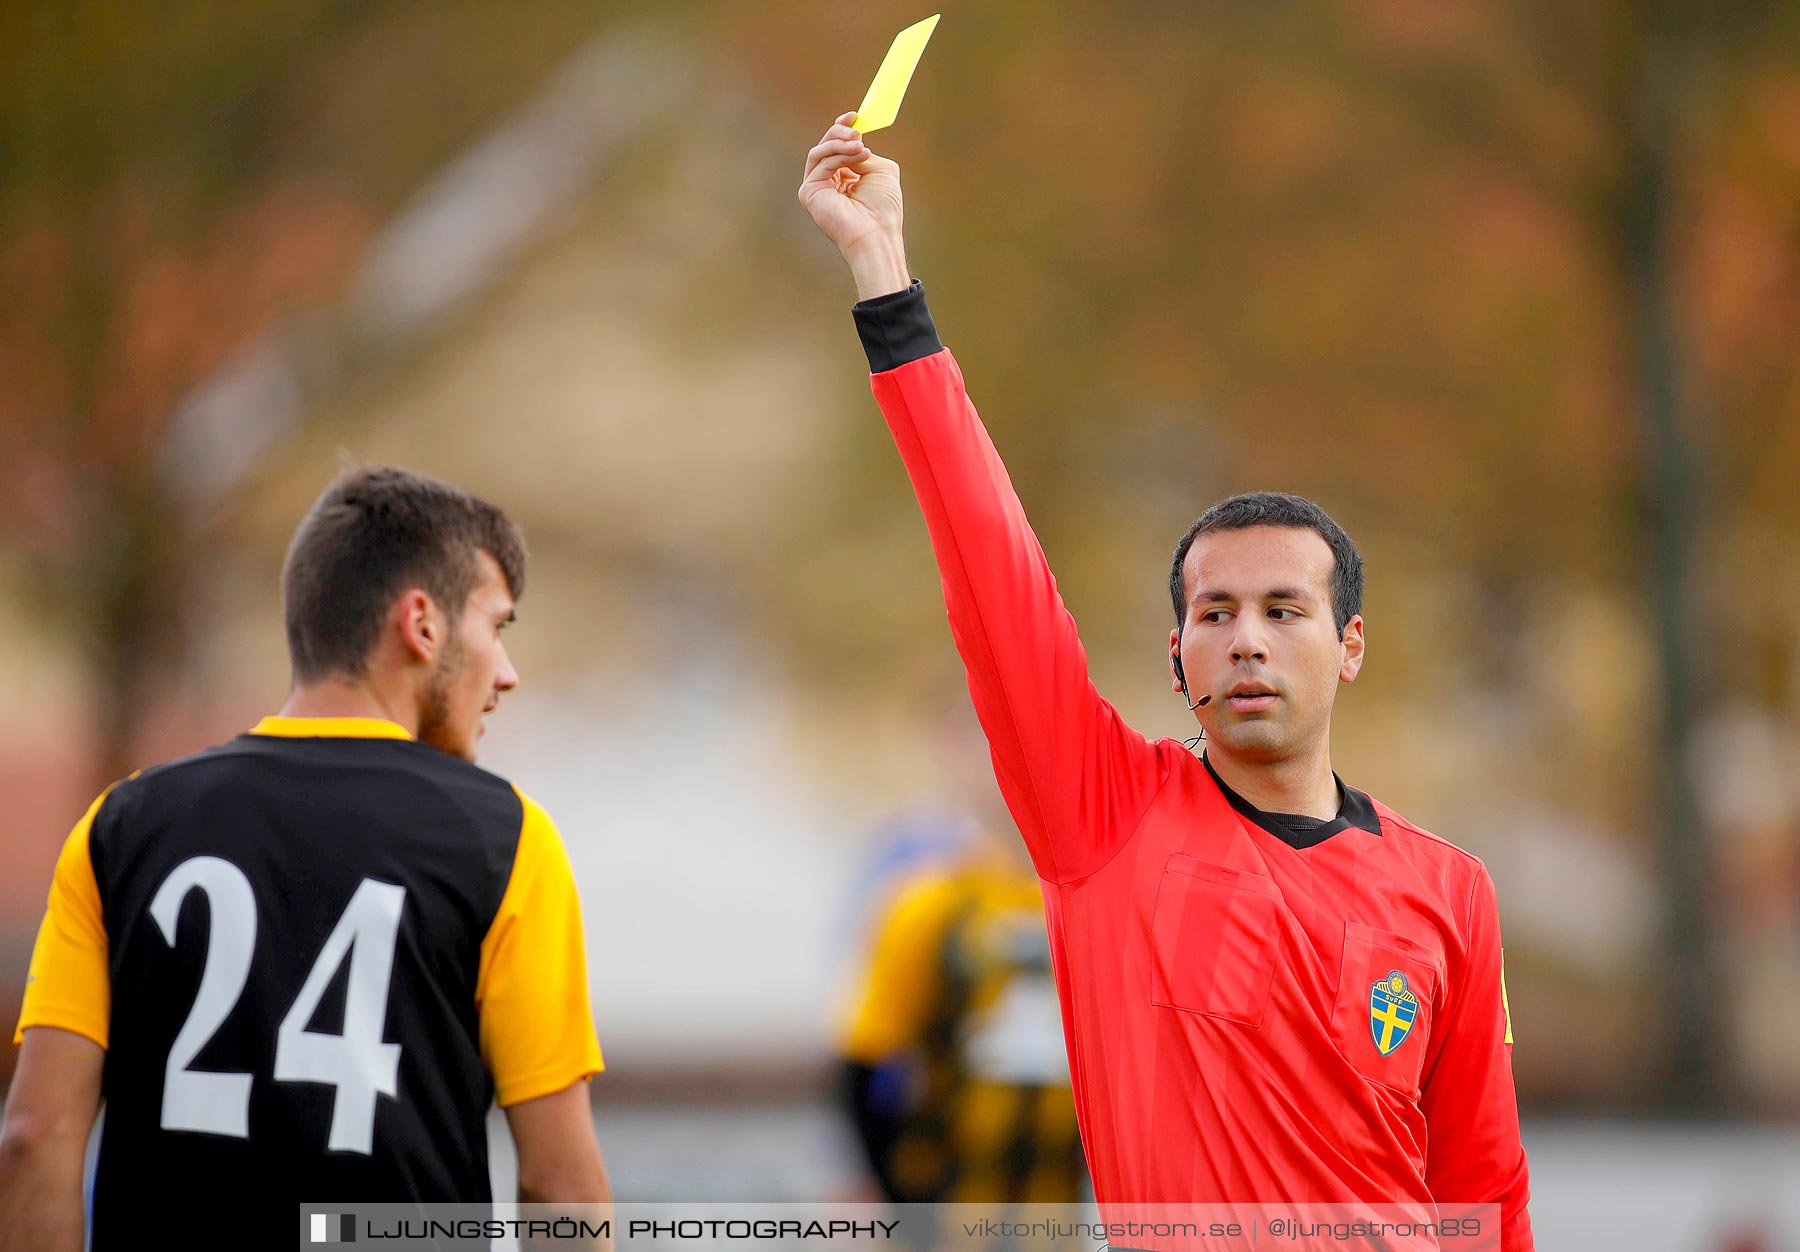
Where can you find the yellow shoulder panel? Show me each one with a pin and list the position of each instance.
(537, 1031)
(68, 986)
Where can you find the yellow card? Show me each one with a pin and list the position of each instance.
(882, 105)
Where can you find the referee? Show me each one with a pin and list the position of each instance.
(299, 966)
(1273, 988)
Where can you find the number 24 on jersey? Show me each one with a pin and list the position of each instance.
(356, 1062)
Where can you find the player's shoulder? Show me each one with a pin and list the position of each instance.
(923, 898)
(533, 811)
(1423, 845)
(162, 783)
(536, 826)
(393, 772)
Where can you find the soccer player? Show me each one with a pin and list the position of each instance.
(953, 1072)
(300, 965)
(1273, 987)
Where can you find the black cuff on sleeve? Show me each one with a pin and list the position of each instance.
(896, 328)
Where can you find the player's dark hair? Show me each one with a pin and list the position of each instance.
(1277, 508)
(375, 532)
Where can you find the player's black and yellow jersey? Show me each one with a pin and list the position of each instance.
(959, 997)
(313, 955)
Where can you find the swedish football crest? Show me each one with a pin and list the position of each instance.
(1393, 1009)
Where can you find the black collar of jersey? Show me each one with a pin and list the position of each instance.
(1299, 831)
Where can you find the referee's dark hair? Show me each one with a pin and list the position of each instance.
(1277, 508)
(376, 531)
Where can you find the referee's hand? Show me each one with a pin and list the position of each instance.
(854, 197)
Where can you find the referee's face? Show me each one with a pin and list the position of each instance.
(1260, 640)
(473, 668)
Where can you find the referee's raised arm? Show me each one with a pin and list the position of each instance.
(1074, 776)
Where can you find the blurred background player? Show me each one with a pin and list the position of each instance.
(299, 966)
(954, 1072)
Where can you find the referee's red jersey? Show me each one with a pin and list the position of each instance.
(1253, 1014)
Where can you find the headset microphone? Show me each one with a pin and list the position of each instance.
(1192, 704)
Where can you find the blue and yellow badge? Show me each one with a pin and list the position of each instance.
(1393, 1009)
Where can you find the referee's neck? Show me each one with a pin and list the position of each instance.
(1302, 784)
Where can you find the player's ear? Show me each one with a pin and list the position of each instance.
(416, 616)
(1351, 646)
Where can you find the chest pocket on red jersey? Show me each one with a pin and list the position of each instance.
(1213, 940)
(1386, 1006)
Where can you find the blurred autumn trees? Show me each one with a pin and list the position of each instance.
(1513, 288)
(174, 180)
